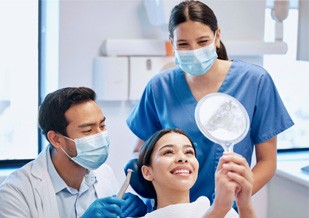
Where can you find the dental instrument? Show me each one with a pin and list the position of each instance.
(125, 184)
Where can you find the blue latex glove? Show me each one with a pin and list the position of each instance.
(109, 207)
(133, 206)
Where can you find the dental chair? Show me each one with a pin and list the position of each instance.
(140, 185)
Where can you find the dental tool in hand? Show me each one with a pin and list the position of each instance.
(125, 184)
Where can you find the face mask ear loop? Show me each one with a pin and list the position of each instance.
(64, 150)
(68, 138)
(66, 153)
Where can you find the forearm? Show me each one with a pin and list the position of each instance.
(263, 171)
(266, 163)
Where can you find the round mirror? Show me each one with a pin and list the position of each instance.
(222, 119)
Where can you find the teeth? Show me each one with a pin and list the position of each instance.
(182, 171)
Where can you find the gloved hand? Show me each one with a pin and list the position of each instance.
(133, 206)
(109, 207)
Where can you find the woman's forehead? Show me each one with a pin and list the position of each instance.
(192, 29)
(172, 139)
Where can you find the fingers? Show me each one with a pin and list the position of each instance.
(237, 170)
(232, 162)
(110, 201)
(110, 206)
(133, 206)
(235, 158)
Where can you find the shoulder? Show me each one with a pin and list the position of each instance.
(18, 185)
(30, 174)
(19, 177)
(166, 76)
(249, 68)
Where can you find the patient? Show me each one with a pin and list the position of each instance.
(168, 163)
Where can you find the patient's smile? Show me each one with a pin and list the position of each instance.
(181, 171)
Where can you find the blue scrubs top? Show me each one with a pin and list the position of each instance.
(167, 102)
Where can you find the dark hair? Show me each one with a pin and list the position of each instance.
(55, 104)
(199, 12)
(146, 152)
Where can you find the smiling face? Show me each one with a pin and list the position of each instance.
(174, 167)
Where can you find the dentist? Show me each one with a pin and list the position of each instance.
(68, 178)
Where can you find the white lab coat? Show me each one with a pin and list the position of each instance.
(29, 192)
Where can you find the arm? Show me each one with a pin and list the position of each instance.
(266, 163)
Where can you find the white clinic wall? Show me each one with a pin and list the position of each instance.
(83, 27)
(84, 24)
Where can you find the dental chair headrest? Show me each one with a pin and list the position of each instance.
(140, 185)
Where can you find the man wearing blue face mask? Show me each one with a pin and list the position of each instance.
(69, 177)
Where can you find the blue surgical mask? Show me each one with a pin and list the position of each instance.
(196, 62)
(92, 151)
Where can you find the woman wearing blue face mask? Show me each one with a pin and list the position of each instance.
(170, 98)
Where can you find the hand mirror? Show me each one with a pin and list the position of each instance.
(222, 119)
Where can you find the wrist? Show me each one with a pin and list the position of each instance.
(216, 212)
(246, 210)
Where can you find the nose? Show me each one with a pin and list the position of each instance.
(194, 46)
(97, 130)
(181, 158)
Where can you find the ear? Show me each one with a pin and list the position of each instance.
(218, 38)
(147, 173)
(55, 138)
(171, 41)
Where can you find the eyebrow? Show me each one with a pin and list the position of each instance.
(91, 124)
(172, 145)
(202, 37)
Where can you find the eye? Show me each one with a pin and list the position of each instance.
(182, 45)
(203, 42)
(102, 126)
(190, 152)
(87, 131)
(168, 152)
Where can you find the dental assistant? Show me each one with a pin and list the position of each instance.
(170, 98)
(69, 177)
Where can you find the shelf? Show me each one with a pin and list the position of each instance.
(254, 48)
